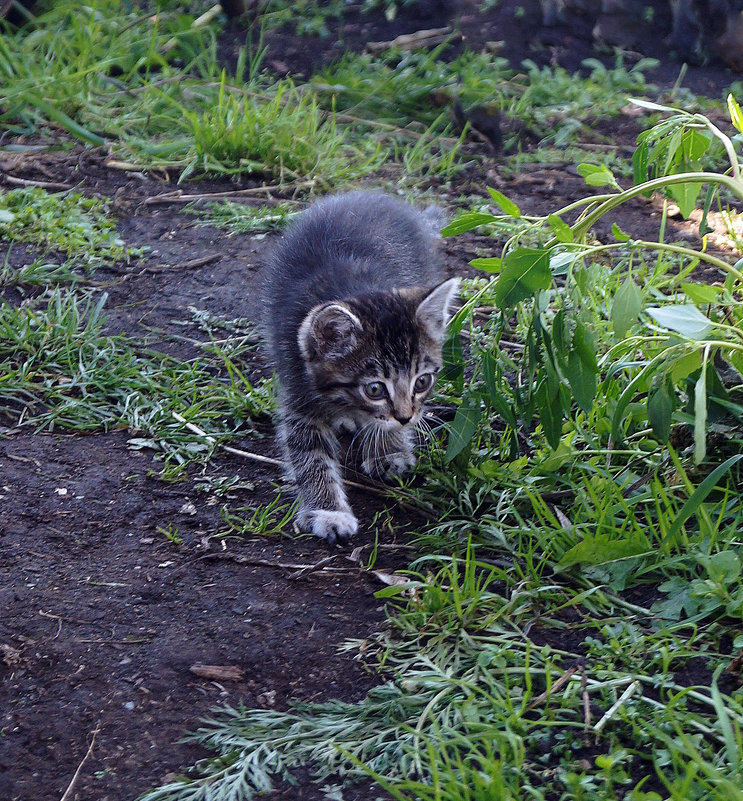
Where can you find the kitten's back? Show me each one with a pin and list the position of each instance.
(344, 246)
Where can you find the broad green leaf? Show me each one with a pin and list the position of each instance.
(581, 368)
(561, 332)
(597, 175)
(6, 216)
(466, 223)
(736, 115)
(490, 376)
(619, 234)
(626, 307)
(558, 458)
(582, 381)
(685, 157)
(559, 260)
(525, 271)
(462, 428)
(396, 589)
(584, 345)
(661, 403)
(685, 195)
(641, 171)
(452, 358)
(504, 203)
(673, 151)
(736, 360)
(487, 265)
(695, 144)
(600, 548)
(724, 566)
(549, 406)
(684, 318)
(685, 365)
(701, 293)
(560, 228)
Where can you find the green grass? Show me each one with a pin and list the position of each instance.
(156, 94)
(240, 218)
(155, 91)
(408, 89)
(77, 226)
(61, 372)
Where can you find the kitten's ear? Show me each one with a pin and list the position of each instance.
(329, 331)
(433, 311)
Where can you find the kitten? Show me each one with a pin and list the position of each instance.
(356, 309)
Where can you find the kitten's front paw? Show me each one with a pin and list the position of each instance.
(330, 525)
(345, 424)
(391, 464)
(400, 462)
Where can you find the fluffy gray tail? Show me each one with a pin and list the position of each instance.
(435, 218)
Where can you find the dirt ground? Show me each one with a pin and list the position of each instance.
(101, 617)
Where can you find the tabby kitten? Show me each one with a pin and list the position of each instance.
(356, 309)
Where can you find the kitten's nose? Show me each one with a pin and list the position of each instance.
(403, 420)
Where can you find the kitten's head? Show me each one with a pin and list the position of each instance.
(378, 355)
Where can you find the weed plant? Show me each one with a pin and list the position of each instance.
(239, 218)
(60, 371)
(405, 89)
(78, 226)
(151, 85)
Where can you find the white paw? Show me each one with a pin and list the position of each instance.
(391, 464)
(330, 525)
(401, 462)
(345, 425)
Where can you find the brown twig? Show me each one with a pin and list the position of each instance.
(11, 179)
(186, 265)
(312, 568)
(67, 793)
(178, 195)
(408, 41)
(555, 687)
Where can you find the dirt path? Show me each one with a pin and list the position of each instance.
(102, 617)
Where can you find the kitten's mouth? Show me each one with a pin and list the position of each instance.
(393, 424)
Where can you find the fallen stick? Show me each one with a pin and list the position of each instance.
(256, 457)
(204, 19)
(186, 265)
(218, 672)
(609, 714)
(179, 197)
(28, 182)
(554, 688)
(407, 41)
(71, 785)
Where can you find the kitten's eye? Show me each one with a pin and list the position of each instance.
(375, 390)
(423, 382)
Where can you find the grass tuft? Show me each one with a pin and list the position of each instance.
(78, 226)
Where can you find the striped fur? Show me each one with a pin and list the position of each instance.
(356, 308)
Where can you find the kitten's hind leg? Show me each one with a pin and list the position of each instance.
(389, 453)
(312, 450)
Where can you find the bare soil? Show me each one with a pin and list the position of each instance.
(102, 617)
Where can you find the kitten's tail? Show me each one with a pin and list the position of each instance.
(435, 219)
